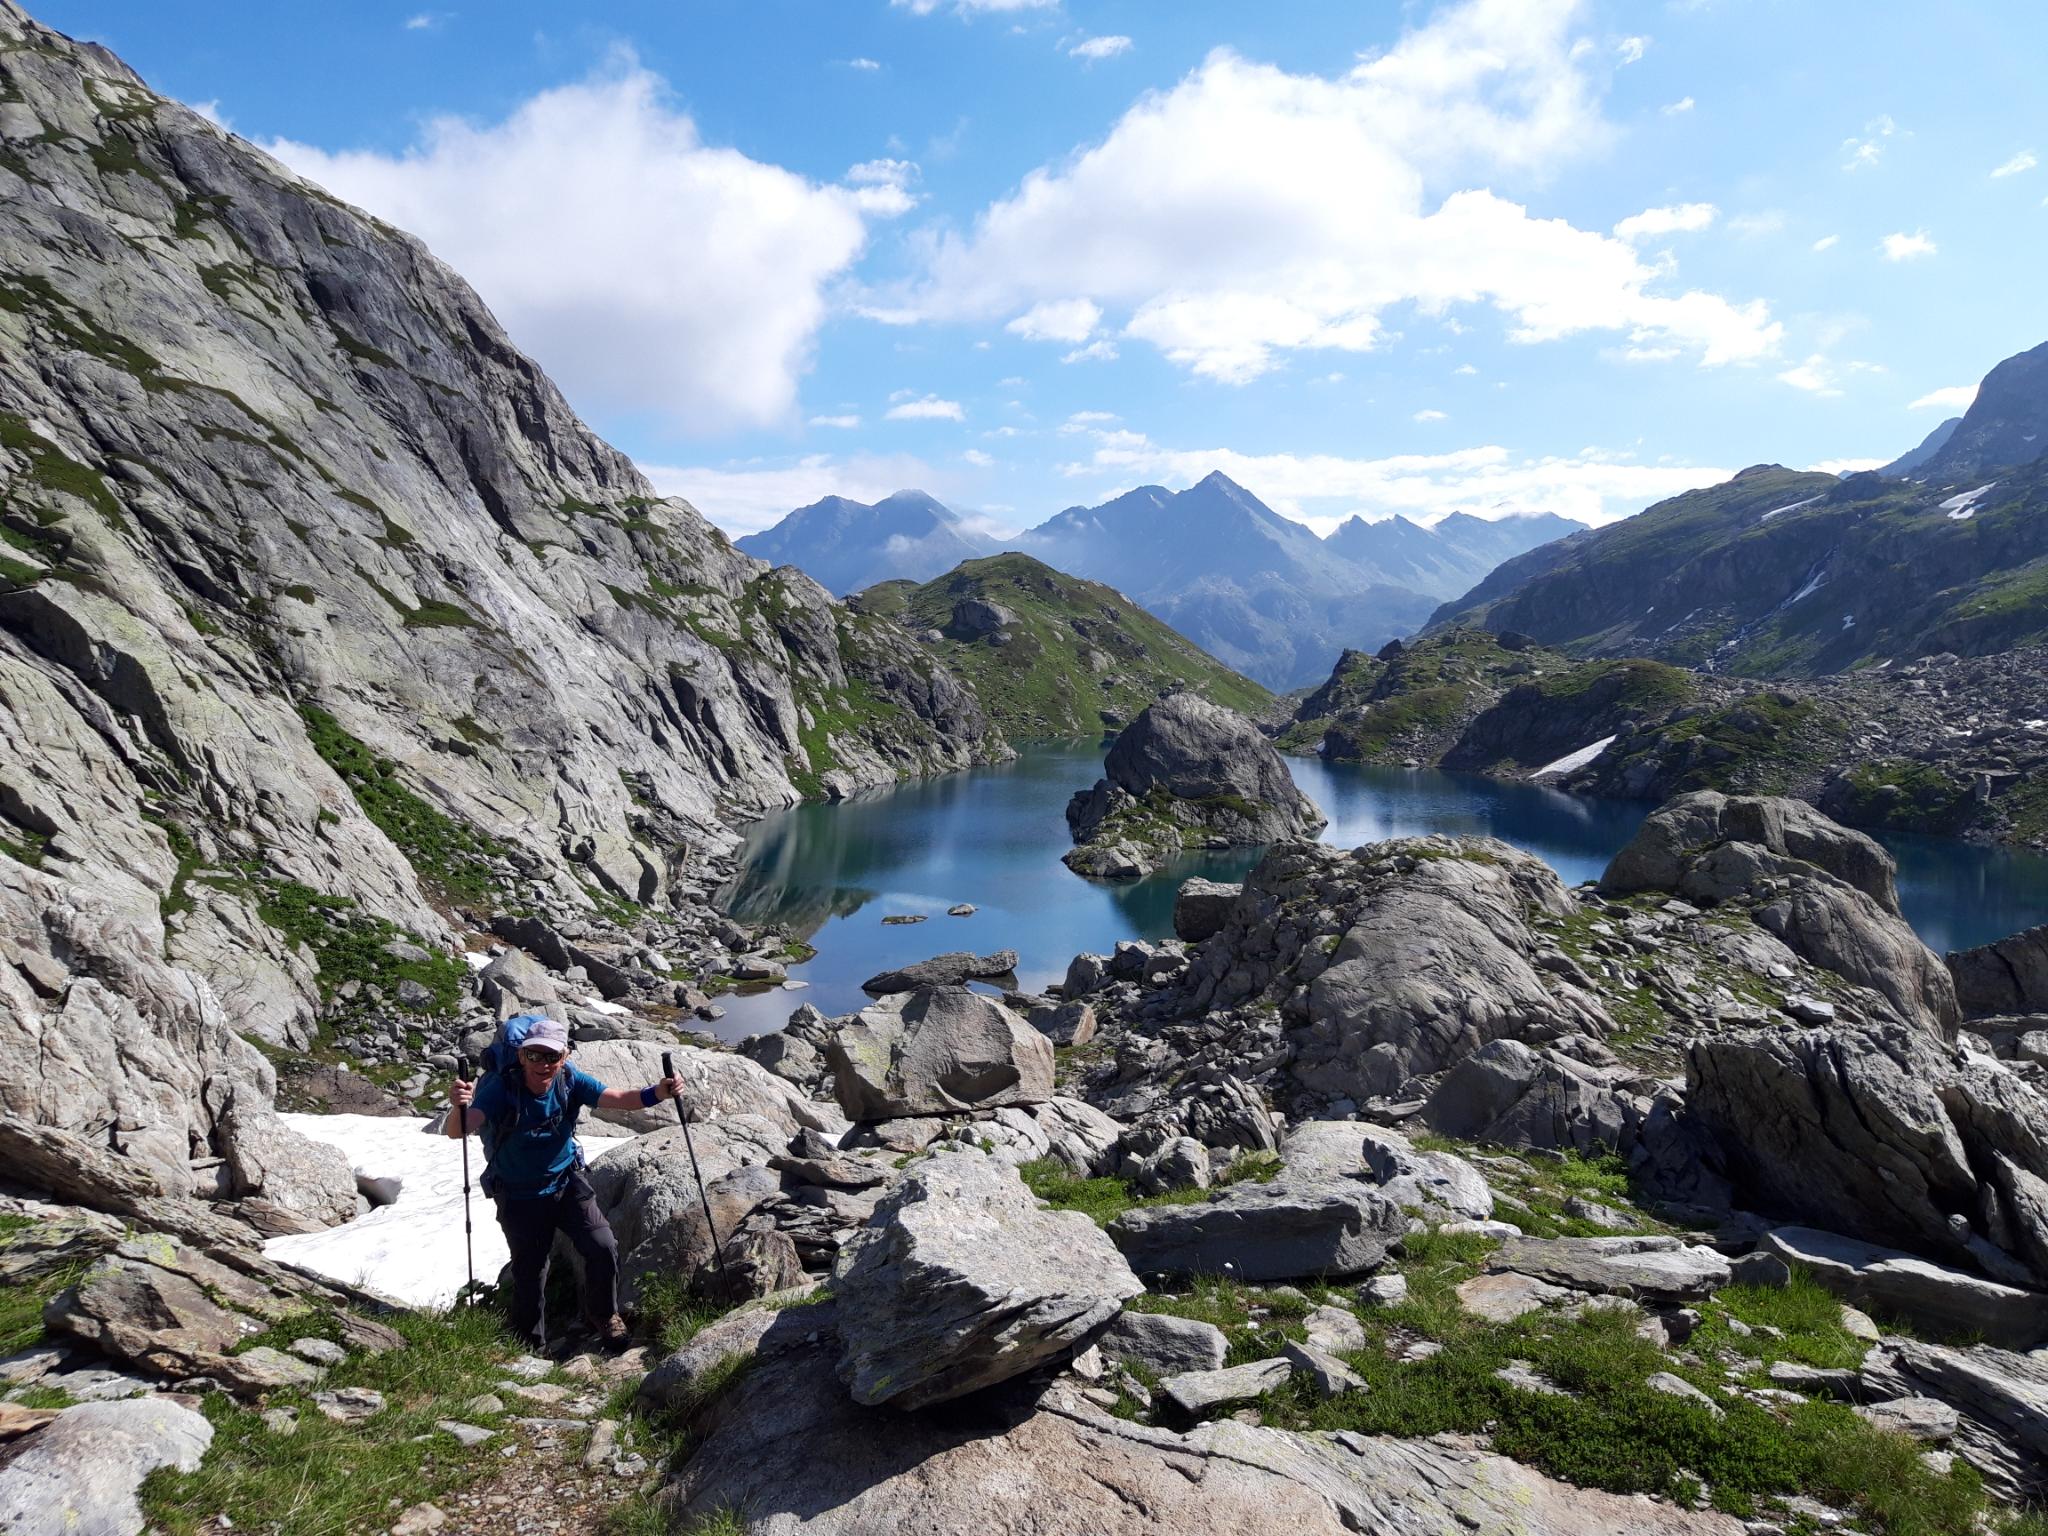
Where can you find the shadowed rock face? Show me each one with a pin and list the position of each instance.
(2009, 976)
(262, 454)
(1883, 1133)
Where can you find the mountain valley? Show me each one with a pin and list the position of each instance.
(357, 700)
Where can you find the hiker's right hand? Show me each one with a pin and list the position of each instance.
(460, 1093)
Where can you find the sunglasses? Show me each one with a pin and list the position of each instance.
(539, 1057)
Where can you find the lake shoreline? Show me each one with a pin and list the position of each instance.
(829, 872)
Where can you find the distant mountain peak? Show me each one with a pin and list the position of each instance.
(2007, 424)
(846, 545)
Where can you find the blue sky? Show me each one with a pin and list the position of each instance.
(1375, 258)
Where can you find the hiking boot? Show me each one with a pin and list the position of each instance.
(615, 1333)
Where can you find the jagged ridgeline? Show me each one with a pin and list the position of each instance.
(1782, 573)
(1050, 654)
(322, 616)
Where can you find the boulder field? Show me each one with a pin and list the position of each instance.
(1414, 1108)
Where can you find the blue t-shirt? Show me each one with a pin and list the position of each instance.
(532, 1139)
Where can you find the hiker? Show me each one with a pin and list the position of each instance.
(527, 1110)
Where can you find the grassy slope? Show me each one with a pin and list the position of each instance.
(1420, 701)
(1612, 1430)
(1041, 683)
(1378, 707)
(1708, 577)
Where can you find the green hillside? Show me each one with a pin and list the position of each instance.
(1049, 654)
(1783, 574)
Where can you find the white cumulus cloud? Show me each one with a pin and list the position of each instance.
(1095, 49)
(845, 423)
(1813, 376)
(1068, 320)
(2023, 161)
(1248, 212)
(927, 408)
(1826, 242)
(1904, 247)
(1955, 399)
(1678, 108)
(1102, 350)
(977, 458)
(1430, 415)
(1630, 50)
(882, 187)
(1869, 150)
(1681, 218)
(642, 266)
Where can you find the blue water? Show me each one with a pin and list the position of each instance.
(993, 836)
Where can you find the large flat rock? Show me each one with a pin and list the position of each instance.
(2002, 1398)
(961, 1279)
(1194, 1393)
(1297, 1227)
(948, 970)
(1656, 1268)
(1929, 1295)
(1165, 1345)
(80, 1475)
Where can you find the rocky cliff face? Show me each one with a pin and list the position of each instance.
(2005, 424)
(322, 617)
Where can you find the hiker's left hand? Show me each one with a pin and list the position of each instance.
(670, 1087)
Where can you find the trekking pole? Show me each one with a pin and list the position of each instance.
(468, 1243)
(668, 1069)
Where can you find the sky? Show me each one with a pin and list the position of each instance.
(1365, 258)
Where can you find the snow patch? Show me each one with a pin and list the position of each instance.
(1789, 507)
(1572, 762)
(410, 1250)
(1964, 506)
(476, 959)
(1813, 585)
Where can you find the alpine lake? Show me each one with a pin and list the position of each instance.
(830, 873)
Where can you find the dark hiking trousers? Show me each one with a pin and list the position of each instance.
(530, 1227)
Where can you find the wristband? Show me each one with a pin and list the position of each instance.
(650, 1096)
